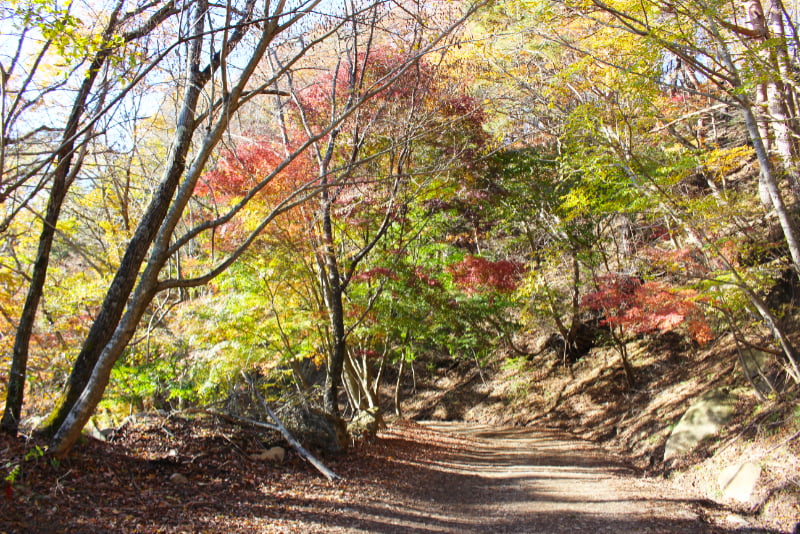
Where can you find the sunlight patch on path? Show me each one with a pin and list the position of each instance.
(536, 481)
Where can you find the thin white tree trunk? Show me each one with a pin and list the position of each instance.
(779, 97)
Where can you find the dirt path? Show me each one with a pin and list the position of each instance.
(522, 481)
(432, 478)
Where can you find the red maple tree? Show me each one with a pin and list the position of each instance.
(475, 274)
(642, 307)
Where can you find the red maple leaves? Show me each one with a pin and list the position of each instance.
(645, 307)
(475, 274)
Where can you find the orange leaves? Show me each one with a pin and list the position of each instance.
(371, 71)
(646, 307)
(252, 168)
(242, 169)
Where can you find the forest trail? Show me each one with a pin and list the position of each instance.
(518, 480)
(412, 478)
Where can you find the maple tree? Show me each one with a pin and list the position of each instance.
(112, 329)
(420, 309)
(376, 169)
(474, 274)
(646, 307)
(629, 304)
(629, 104)
(360, 195)
(398, 149)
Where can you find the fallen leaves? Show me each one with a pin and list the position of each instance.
(170, 475)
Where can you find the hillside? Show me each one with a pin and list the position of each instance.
(590, 400)
(535, 447)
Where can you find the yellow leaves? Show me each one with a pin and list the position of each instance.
(576, 202)
(723, 161)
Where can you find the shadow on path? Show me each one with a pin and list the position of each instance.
(515, 480)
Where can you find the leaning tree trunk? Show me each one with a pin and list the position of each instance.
(70, 429)
(111, 331)
(124, 280)
(121, 287)
(770, 184)
(148, 285)
(62, 179)
(398, 410)
(19, 361)
(767, 178)
(774, 104)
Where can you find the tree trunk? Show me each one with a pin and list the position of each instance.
(62, 179)
(169, 213)
(111, 331)
(575, 321)
(397, 408)
(335, 365)
(622, 349)
(70, 429)
(333, 291)
(767, 181)
(770, 184)
(124, 280)
(780, 97)
(757, 23)
(772, 98)
(19, 361)
(333, 298)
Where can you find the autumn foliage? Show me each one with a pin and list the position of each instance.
(643, 307)
(240, 170)
(475, 274)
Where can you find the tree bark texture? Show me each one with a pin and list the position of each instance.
(159, 226)
(61, 181)
(107, 331)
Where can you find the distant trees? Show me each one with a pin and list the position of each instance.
(740, 59)
(748, 67)
(366, 191)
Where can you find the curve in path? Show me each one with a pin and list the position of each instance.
(514, 480)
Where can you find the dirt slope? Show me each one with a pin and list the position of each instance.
(589, 400)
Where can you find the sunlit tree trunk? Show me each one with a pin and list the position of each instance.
(782, 106)
(166, 209)
(110, 331)
(757, 25)
(69, 159)
(773, 98)
(124, 280)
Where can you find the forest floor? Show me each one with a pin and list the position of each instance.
(589, 401)
(434, 477)
(521, 445)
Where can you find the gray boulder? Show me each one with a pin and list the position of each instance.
(315, 428)
(739, 481)
(703, 419)
(366, 423)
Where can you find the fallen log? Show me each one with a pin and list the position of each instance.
(278, 425)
